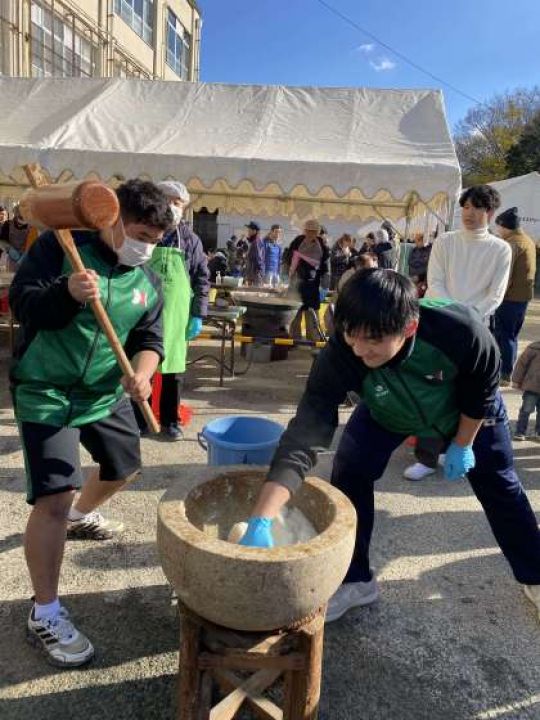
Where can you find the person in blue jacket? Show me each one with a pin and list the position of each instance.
(272, 255)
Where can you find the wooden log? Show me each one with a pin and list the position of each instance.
(261, 707)
(253, 686)
(188, 672)
(249, 661)
(303, 687)
(81, 205)
(205, 696)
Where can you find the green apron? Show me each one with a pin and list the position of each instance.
(169, 263)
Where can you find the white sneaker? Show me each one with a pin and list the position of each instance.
(418, 471)
(350, 595)
(532, 592)
(59, 639)
(93, 526)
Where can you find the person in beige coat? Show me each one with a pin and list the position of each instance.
(510, 314)
(526, 377)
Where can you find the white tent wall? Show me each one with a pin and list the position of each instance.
(347, 154)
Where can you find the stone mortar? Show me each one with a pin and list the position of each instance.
(248, 588)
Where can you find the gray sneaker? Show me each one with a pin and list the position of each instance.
(93, 527)
(60, 641)
(350, 595)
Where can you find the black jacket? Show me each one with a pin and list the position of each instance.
(450, 367)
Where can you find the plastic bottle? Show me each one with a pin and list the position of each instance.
(218, 278)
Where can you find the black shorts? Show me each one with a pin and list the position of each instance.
(52, 457)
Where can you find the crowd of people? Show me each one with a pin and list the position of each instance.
(428, 368)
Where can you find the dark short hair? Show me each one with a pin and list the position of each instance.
(276, 226)
(363, 257)
(378, 302)
(143, 202)
(482, 197)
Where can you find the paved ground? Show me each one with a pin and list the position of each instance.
(451, 638)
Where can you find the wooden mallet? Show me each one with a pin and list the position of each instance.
(70, 206)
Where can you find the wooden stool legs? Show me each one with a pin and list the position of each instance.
(213, 656)
(302, 689)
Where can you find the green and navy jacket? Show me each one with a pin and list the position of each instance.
(449, 368)
(64, 372)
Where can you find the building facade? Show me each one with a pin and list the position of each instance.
(152, 39)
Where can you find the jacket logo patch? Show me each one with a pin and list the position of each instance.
(139, 297)
(437, 375)
(380, 391)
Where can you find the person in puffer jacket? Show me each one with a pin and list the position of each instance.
(272, 256)
(526, 377)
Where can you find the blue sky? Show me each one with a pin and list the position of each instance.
(480, 46)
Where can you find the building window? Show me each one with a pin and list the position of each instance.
(178, 46)
(57, 48)
(139, 15)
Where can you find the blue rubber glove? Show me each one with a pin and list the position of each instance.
(258, 533)
(458, 461)
(323, 292)
(194, 328)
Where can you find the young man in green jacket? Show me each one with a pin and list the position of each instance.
(68, 389)
(427, 368)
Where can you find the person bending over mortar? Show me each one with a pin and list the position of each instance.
(427, 368)
(67, 388)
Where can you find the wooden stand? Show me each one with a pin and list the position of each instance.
(212, 657)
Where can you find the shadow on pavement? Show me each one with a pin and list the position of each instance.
(124, 625)
(143, 699)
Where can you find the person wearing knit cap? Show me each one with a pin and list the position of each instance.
(180, 261)
(510, 314)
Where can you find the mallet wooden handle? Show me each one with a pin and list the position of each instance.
(38, 179)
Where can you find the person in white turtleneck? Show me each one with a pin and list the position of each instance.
(471, 265)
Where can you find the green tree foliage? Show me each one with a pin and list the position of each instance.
(524, 156)
(489, 131)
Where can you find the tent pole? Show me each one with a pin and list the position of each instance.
(385, 219)
(410, 204)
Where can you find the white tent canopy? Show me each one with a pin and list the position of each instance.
(353, 153)
(522, 192)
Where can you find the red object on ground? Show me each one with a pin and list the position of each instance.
(411, 441)
(185, 413)
(4, 303)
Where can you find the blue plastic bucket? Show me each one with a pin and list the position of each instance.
(240, 440)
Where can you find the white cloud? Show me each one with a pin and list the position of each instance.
(366, 48)
(382, 64)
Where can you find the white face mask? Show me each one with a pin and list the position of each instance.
(134, 252)
(178, 213)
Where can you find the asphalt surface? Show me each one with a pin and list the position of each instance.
(451, 637)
